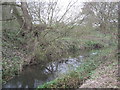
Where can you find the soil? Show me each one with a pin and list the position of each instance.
(105, 76)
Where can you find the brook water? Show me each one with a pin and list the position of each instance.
(33, 76)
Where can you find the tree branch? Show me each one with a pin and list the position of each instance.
(13, 4)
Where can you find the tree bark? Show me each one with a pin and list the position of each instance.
(19, 17)
(27, 17)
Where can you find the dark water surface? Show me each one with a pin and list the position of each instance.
(33, 76)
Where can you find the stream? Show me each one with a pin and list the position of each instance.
(33, 76)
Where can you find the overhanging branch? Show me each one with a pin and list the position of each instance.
(6, 3)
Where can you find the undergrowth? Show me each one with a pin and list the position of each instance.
(74, 79)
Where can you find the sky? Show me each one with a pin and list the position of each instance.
(64, 1)
(63, 4)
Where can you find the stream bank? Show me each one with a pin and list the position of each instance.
(19, 62)
(85, 71)
(38, 75)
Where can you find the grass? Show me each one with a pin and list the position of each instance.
(76, 78)
(105, 76)
(21, 47)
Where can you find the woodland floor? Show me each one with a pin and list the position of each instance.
(105, 76)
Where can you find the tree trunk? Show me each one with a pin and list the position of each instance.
(27, 17)
(19, 17)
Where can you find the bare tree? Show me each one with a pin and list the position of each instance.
(19, 12)
(26, 15)
(102, 14)
(49, 12)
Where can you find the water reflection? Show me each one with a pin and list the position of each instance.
(30, 78)
(33, 76)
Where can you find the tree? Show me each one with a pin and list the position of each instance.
(102, 14)
(22, 16)
(27, 17)
(49, 13)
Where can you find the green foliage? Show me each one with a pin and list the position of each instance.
(83, 72)
(10, 68)
(12, 49)
(53, 44)
(90, 43)
(39, 54)
(93, 45)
